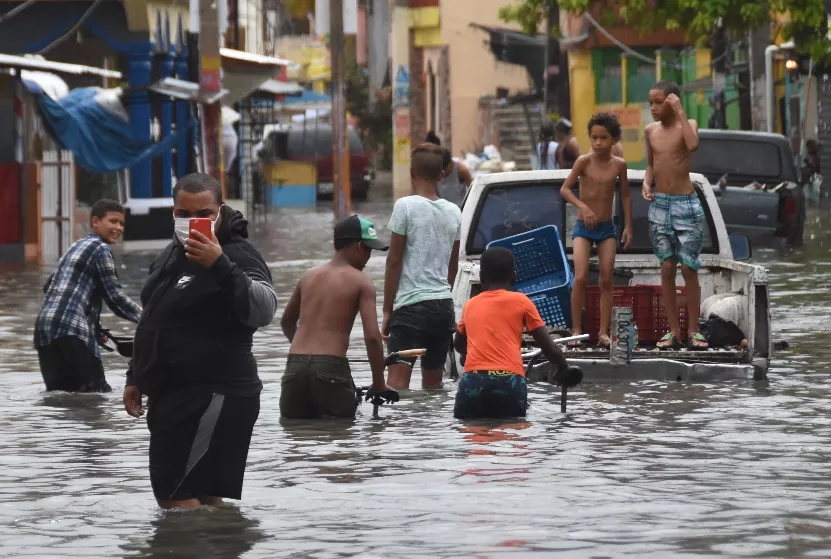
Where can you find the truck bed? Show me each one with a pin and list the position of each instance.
(720, 355)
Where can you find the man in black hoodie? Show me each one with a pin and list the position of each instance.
(203, 301)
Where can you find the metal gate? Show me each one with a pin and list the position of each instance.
(57, 204)
(256, 113)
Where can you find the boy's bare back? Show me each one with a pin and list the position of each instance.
(330, 296)
(670, 157)
(597, 183)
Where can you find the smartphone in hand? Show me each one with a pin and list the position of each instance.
(201, 224)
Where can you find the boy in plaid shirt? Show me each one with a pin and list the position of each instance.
(66, 327)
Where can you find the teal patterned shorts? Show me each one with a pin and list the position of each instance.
(491, 394)
(676, 228)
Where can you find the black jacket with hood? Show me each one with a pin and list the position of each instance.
(197, 325)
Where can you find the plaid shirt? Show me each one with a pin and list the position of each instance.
(85, 277)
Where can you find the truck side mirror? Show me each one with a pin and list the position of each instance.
(740, 245)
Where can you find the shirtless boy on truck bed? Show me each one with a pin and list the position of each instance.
(676, 218)
(318, 382)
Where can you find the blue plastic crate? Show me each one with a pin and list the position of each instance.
(543, 272)
(541, 261)
(554, 306)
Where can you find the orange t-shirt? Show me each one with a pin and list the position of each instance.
(493, 322)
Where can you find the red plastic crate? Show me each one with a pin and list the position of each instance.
(647, 306)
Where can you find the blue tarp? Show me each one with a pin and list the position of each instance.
(100, 140)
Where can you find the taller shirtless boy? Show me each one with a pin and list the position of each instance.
(676, 218)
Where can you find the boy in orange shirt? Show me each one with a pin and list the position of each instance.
(489, 337)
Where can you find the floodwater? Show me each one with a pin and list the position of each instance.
(644, 469)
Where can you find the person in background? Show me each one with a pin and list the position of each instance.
(547, 147)
(455, 178)
(318, 321)
(812, 159)
(203, 301)
(421, 268)
(568, 149)
(489, 337)
(66, 327)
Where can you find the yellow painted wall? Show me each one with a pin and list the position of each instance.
(290, 172)
(473, 69)
(633, 117)
(581, 80)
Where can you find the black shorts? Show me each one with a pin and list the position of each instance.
(199, 443)
(317, 386)
(428, 325)
(68, 364)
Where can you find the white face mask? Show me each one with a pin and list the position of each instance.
(181, 226)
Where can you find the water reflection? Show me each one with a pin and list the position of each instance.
(641, 469)
(221, 532)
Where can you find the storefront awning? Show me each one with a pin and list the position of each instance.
(251, 58)
(29, 63)
(243, 73)
(306, 101)
(276, 87)
(185, 90)
(513, 47)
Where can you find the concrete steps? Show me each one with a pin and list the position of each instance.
(514, 139)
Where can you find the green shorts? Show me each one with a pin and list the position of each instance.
(317, 386)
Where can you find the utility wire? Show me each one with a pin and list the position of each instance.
(635, 54)
(16, 10)
(75, 28)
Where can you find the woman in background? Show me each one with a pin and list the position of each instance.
(568, 150)
(547, 148)
(455, 177)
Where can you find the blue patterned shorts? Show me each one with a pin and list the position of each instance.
(676, 228)
(491, 394)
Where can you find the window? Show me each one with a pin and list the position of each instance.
(514, 209)
(640, 77)
(607, 76)
(507, 210)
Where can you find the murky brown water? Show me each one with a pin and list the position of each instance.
(644, 469)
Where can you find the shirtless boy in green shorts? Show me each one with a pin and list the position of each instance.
(676, 218)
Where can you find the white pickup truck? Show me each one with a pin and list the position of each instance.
(506, 204)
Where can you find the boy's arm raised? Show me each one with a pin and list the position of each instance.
(567, 191)
(372, 336)
(689, 128)
(291, 314)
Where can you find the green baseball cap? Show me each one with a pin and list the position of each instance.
(359, 229)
